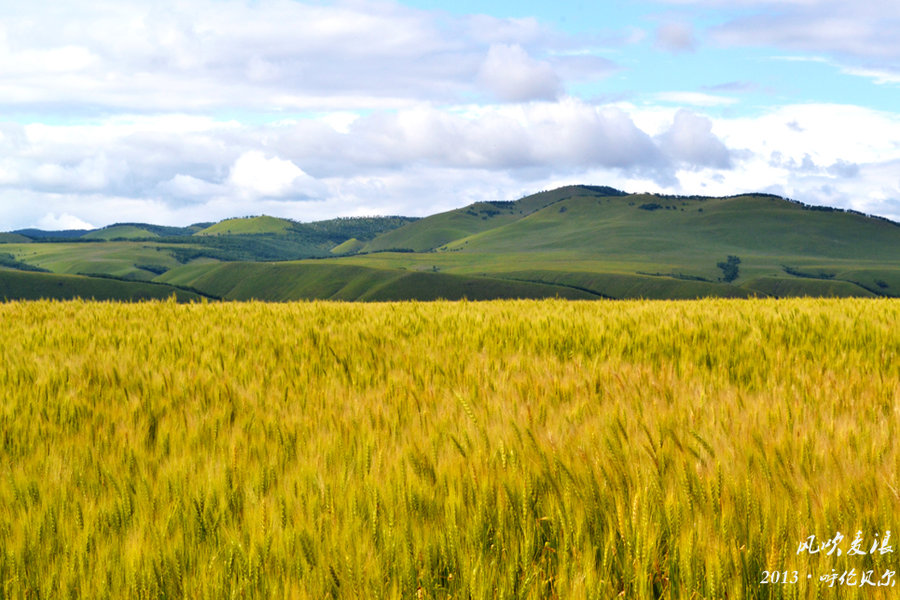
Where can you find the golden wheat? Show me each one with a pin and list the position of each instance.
(467, 450)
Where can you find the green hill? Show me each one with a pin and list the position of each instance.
(351, 246)
(13, 238)
(248, 225)
(626, 246)
(437, 230)
(119, 232)
(139, 251)
(21, 285)
(641, 226)
(576, 241)
(125, 260)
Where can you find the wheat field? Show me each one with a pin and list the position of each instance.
(508, 449)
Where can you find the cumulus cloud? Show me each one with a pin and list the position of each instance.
(817, 153)
(369, 107)
(93, 173)
(257, 175)
(586, 135)
(274, 55)
(187, 187)
(840, 168)
(691, 141)
(514, 76)
(168, 167)
(844, 169)
(53, 222)
(553, 135)
(181, 170)
(565, 134)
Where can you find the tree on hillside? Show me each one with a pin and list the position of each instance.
(729, 268)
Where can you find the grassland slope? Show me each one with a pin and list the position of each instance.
(440, 229)
(13, 238)
(642, 225)
(325, 281)
(596, 240)
(119, 232)
(21, 285)
(248, 225)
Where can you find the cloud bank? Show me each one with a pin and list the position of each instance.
(177, 112)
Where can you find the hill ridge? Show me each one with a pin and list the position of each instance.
(591, 241)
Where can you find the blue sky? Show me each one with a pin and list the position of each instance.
(176, 112)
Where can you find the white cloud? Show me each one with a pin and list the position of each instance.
(860, 30)
(856, 38)
(65, 59)
(94, 173)
(340, 121)
(514, 76)
(881, 76)
(52, 222)
(373, 106)
(257, 175)
(827, 132)
(691, 141)
(565, 134)
(177, 170)
(816, 153)
(884, 75)
(189, 187)
(271, 55)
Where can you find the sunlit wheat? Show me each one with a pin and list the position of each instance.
(504, 449)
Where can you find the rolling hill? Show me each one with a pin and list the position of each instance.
(119, 232)
(13, 238)
(438, 230)
(657, 246)
(248, 226)
(22, 285)
(575, 242)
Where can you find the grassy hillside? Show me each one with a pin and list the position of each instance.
(351, 246)
(248, 225)
(783, 287)
(13, 238)
(437, 230)
(629, 246)
(102, 252)
(119, 232)
(594, 240)
(321, 280)
(686, 229)
(21, 285)
(41, 234)
(127, 260)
